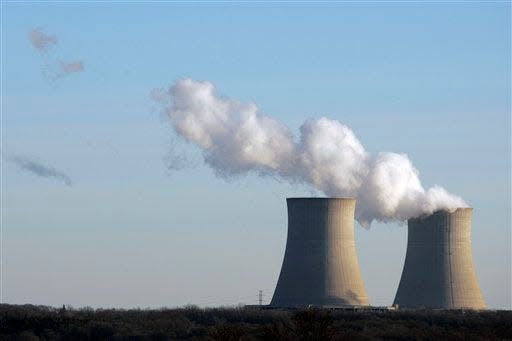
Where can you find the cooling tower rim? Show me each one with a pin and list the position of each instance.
(444, 211)
(454, 210)
(315, 198)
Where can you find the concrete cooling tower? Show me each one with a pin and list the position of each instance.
(438, 270)
(320, 266)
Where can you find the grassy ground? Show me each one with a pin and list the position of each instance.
(29, 322)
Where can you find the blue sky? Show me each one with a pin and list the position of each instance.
(429, 80)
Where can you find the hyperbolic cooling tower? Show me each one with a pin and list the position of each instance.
(438, 270)
(320, 265)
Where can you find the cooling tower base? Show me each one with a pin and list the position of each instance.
(361, 308)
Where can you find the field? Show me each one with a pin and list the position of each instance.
(28, 322)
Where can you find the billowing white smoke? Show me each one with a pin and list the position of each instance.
(236, 138)
(330, 157)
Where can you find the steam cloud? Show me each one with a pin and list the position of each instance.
(236, 139)
(39, 169)
(53, 69)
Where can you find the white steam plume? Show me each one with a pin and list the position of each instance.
(236, 138)
(42, 170)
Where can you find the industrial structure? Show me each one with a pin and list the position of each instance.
(320, 266)
(438, 270)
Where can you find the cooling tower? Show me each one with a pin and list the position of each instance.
(438, 270)
(320, 265)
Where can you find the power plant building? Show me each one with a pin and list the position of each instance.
(439, 270)
(320, 266)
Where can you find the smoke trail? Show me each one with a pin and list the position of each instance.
(39, 169)
(236, 139)
(61, 69)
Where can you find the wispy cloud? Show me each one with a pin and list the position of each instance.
(39, 169)
(40, 40)
(159, 95)
(69, 67)
(61, 69)
(53, 68)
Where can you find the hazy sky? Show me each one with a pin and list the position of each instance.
(103, 205)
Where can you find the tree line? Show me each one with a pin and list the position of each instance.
(29, 322)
